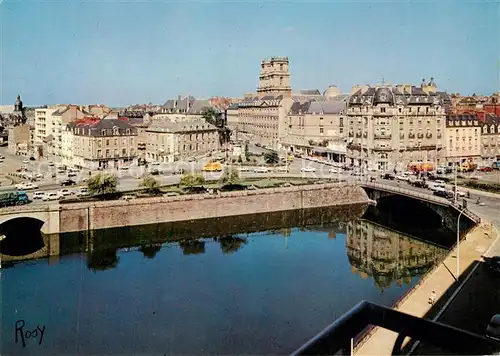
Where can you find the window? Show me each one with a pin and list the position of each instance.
(320, 130)
(107, 142)
(382, 109)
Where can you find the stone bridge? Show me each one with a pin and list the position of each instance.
(448, 210)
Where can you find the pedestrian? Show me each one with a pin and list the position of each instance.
(468, 194)
(432, 298)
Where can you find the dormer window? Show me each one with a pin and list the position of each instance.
(103, 132)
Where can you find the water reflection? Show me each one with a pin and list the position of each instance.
(386, 255)
(150, 251)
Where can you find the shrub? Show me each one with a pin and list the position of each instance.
(102, 184)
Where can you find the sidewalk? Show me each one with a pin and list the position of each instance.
(381, 341)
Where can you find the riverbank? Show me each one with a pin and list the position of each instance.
(92, 216)
(441, 279)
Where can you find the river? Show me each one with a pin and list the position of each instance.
(248, 285)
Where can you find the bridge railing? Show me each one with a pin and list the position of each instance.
(424, 196)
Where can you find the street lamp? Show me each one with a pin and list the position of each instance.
(458, 241)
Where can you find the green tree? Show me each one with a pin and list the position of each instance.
(152, 186)
(231, 244)
(230, 176)
(192, 180)
(271, 157)
(102, 184)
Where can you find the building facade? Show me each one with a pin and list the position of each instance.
(490, 140)
(172, 141)
(102, 144)
(391, 127)
(313, 127)
(463, 139)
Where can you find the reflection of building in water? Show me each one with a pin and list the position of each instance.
(387, 255)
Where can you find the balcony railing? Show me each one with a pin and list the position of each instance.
(384, 136)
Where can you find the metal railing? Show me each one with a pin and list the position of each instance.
(338, 335)
(423, 196)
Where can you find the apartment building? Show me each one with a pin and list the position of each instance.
(317, 128)
(50, 122)
(463, 139)
(390, 127)
(262, 114)
(490, 140)
(101, 144)
(171, 141)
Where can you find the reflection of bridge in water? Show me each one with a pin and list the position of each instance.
(386, 255)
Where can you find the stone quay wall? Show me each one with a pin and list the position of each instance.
(144, 211)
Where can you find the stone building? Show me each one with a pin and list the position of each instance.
(490, 140)
(182, 108)
(19, 134)
(262, 114)
(463, 139)
(387, 256)
(391, 127)
(101, 144)
(171, 141)
(313, 127)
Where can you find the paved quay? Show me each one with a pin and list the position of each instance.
(381, 341)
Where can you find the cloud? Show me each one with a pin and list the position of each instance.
(289, 29)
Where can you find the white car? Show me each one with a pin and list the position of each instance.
(39, 176)
(26, 186)
(26, 161)
(334, 170)
(155, 163)
(51, 196)
(51, 163)
(308, 169)
(65, 192)
(38, 195)
(261, 170)
(127, 197)
(461, 193)
(283, 169)
(402, 178)
(244, 169)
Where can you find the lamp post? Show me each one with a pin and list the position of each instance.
(458, 241)
(456, 168)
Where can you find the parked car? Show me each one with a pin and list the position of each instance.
(388, 176)
(244, 169)
(82, 192)
(72, 174)
(50, 196)
(493, 328)
(128, 197)
(308, 169)
(51, 163)
(261, 170)
(67, 182)
(39, 195)
(26, 161)
(65, 192)
(334, 170)
(443, 193)
(420, 183)
(402, 178)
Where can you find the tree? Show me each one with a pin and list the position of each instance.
(230, 176)
(192, 180)
(231, 244)
(102, 184)
(240, 160)
(247, 153)
(152, 186)
(212, 116)
(271, 157)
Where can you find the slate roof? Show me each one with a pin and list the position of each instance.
(195, 125)
(457, 119)
(405, 95)
(310, 92)
(95, 128)
(188, 105)
(327, 107)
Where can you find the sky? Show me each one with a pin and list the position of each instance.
(125, 52)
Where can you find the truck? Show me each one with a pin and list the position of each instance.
(13, 197)
(467, 167)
